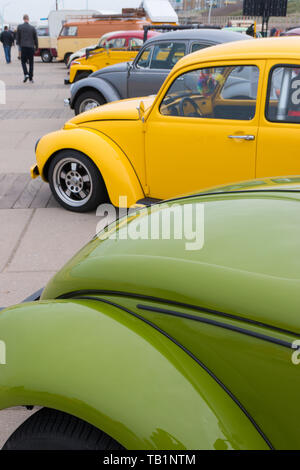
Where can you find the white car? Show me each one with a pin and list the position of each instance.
(79, 54)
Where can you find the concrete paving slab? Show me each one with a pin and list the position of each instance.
(15, 287)
(12, 226)
(53, 236)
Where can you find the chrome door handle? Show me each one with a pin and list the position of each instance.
(242, 137)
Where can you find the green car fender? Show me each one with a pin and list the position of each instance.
(118, 372)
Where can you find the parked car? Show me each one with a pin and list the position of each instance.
(148, 71)
(143, 344)
(224, 114)
(47, 45)
(112, 48)
(291, 32)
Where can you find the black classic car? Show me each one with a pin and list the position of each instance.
(147, 73)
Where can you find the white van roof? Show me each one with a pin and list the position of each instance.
(160, 11)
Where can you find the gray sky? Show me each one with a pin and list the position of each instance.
(13, 10)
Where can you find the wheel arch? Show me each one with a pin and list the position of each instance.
(93, 83)
(119, 374)
(116, 169)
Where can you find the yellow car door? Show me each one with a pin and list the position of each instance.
(203, 129)
(279, 133)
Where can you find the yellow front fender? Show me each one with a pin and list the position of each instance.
(81, 68)
(116, 169)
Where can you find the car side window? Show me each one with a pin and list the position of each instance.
(69, 31)
(283, 101)
(144, 59)
(217, 93)
(135, 43)
(167, 54)
(116, 43)
(197, 46)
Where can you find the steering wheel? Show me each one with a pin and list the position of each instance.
(183, 102)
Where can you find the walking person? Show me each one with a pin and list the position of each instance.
(7, 40)
(27, 40)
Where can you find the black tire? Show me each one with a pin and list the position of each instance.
(81, 75)
(46, 56)
(70, 194)
(54, 430)
(91, 95)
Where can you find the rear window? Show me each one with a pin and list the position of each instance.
(283, 101)
(167, 54)
(42, 31)
(69, 31)
(197, 46)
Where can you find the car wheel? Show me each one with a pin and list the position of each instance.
(46, 56)
(87, 101)
(76, 182)
(81, 75)
(53, 430)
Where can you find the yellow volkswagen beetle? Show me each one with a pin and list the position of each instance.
(224, 114)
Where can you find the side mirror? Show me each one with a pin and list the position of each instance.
(141, 110)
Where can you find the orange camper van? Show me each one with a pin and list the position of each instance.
(86, 31)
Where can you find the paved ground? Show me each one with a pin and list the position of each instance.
(36, 236)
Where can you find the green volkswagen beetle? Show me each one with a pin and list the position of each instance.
(157, 343)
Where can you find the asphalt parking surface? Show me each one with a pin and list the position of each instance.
(36, 236)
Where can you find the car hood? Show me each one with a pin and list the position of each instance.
(248, 265)
(121, 67)
(117, 110)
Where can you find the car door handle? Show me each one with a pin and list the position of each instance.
(242, 137)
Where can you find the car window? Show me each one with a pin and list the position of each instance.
(218, 93)
(283, 102)
(167, 54)
(42, 31)
(144, 59)
(136, 42)
(196, 46)
(115, 43)
(69, 31)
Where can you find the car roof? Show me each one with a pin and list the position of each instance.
(294, 31)
(210, 35)
(246, 264)
(138, 33)
(271, 48)
(281, 184)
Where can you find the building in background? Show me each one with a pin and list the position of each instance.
(186, 5)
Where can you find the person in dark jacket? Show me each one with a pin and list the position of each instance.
(28, 41)
(7, 40)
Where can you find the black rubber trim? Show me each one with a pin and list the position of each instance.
(34, 297)
(192, 356)
(225, 326)
(70, 295)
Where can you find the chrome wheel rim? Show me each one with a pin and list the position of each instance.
(88, 104)
(72, 182)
